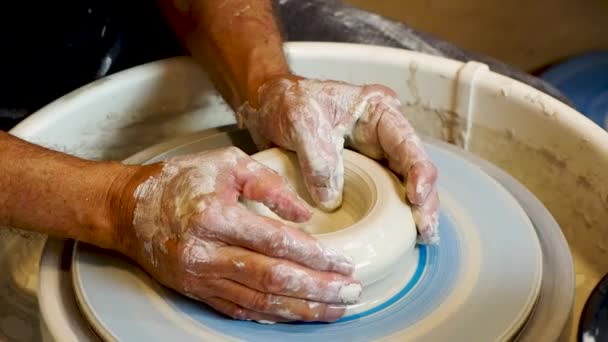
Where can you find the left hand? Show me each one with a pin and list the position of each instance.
(317, 118)
(190, 232)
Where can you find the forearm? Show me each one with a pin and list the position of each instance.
(58, 194)
(237, 41)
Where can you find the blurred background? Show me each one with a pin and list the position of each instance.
(527, 34)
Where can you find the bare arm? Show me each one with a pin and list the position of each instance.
(58, 194)
(62, 195)
(237, 41)
(131, 209)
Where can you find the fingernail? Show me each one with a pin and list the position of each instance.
(331, 204)
(334, 313)
(428, 240)
(420, 182)
(350, 294)
(346, 268)
(417, 190)
(423, 189)
(302, 214)
(329, 199)
(429, 235)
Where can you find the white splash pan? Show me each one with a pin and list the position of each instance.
(558, 154)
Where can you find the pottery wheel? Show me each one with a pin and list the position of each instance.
(481, 282)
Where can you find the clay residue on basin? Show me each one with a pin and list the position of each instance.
(578, 202)
(575, 201)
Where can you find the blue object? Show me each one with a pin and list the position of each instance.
(584, 80)
(593, 324)
(433, 279)
(479, 232)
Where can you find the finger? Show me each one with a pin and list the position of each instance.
(406, 155)
(262, 184)
(320, 157)
(421, 178)
(282, 277)
(285, 307)
(238, 312)
(238, 226)
(426, 217)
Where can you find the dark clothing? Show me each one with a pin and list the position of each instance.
(49, 48)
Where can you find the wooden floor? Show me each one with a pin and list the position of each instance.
(526, 33)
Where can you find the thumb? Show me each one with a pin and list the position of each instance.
(320, 157)
(262, 184)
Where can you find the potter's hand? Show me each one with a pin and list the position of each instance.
(191, 233)
(315, 118)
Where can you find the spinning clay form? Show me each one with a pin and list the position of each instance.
(411, 292)
(374, 225)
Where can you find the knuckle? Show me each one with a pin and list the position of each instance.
(276, 191)
(425, 168)
(277, 244)
(232, 150)
(271, 282)
(210, 220)
(293, 118)
(262, 302)
(389, 93)
(379, 88)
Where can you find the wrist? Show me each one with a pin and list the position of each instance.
(247, 43)
(265, 82)
(122, 202)
(264, 67)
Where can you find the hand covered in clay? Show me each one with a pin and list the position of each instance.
(317, 118)
(192, 234)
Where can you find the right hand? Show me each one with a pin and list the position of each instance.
(191, 233)
(318, 118)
